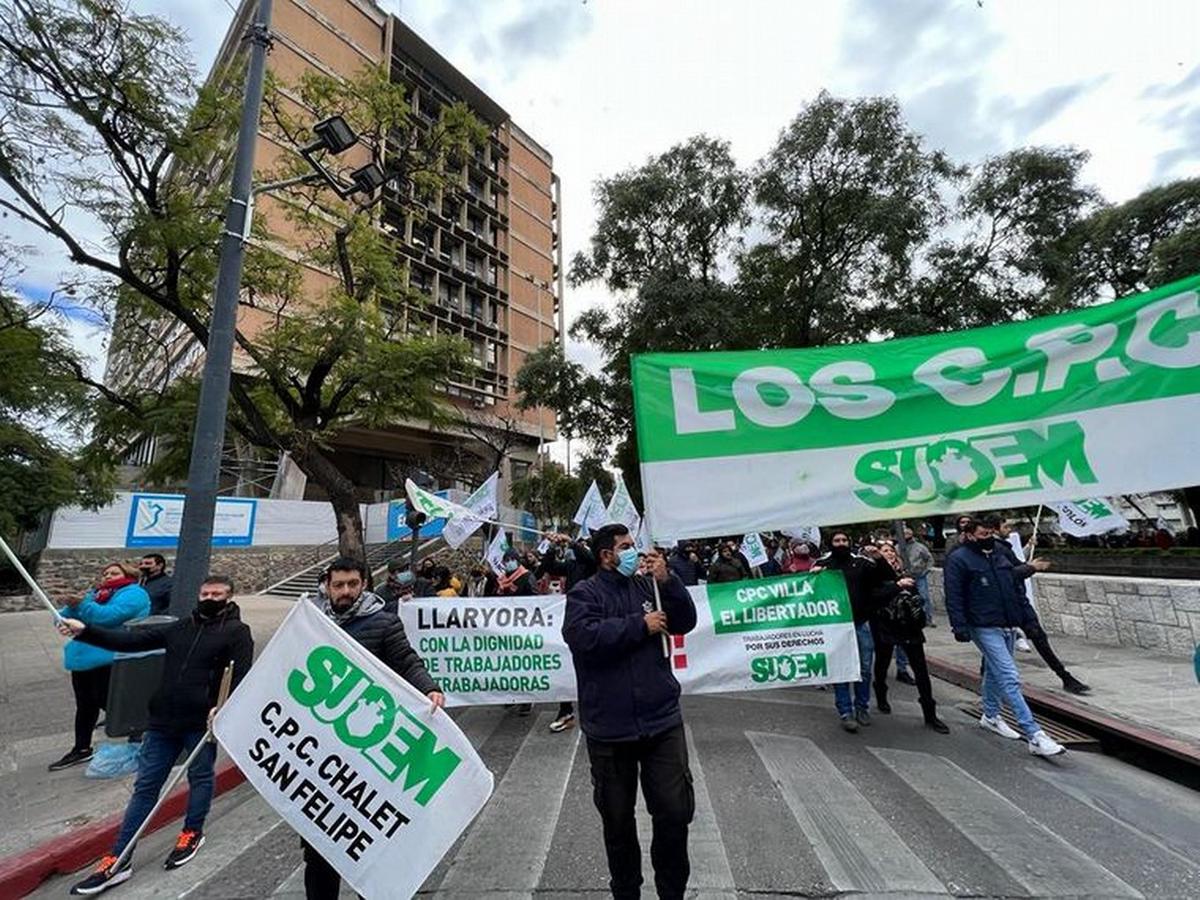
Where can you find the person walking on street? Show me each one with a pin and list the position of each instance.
(360, 614)
(899, 623)
(515, 580)
(573, 561)
(864, 580)
(727, 567)
(799, 558)
(984, 605)
(399, 586)
(156, 582)
(684, 562)
(115, 599)
(197, 650)
(629, 709)
(920, 561)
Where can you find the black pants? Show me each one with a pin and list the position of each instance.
(91, 696)
(321, 880)
(670, 799)
(1041, 643)
(916, 659)
(566, 708)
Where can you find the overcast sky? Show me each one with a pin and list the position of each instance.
(603, 84)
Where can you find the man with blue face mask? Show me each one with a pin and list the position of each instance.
(629, 707)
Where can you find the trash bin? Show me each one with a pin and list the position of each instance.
(135, 678)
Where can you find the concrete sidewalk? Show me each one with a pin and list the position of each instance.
(1148, 691)
(36, 714)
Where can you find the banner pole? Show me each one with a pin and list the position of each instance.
(666, 642)
(33, 585)
(209, 737)
(1037, 524)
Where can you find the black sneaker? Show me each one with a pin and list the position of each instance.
(904, 678)
(524, 709)
(863, 717)
(848, 724)
(71, 758)
(106, 875)
(1073, 685)
(186, 846)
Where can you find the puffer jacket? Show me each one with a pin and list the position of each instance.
(381, 633)
(198, 648)
(626, 687)
(983, 589)
(129, 602)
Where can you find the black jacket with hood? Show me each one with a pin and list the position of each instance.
(198, 648)
(381, 633)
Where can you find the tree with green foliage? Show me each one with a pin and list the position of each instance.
(101, 109)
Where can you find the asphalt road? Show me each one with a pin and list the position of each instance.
(787, 805)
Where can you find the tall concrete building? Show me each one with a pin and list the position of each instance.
(486, 253)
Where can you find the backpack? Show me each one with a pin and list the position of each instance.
(904, 614)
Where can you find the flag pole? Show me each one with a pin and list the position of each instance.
(1037, 524)
(666, 641)
(33, 585)
(209, 738)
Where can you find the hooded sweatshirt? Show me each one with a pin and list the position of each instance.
(381, 633)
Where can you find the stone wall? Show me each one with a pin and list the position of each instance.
(65, 574)
(1150, 613)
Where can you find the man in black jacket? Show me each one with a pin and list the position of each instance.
(629, 708)
(573, 561)
(866, 583)
(198, 649)
(156, 582)
(361, 615)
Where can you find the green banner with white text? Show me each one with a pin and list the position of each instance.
(1097, 401)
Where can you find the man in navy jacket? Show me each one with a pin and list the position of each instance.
(985, 604)
(629, 708)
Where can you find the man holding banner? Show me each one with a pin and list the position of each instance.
(616, 625)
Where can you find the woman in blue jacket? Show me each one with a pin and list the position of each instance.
(116, 599)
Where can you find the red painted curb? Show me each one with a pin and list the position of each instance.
(1042, 700)
(21, 873)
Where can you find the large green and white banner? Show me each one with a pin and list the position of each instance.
(1098, 401)
(352, 757)
(775, 632)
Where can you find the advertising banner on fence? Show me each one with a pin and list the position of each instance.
(1014, 415)
(775, 632)
(350, 755)
(154, 521)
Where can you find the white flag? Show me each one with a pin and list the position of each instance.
(754, 549)
(543, 546)
(495, 552)
(431, 504)
(352, 758)
(642, 540)
(483, 504)
(809, 533)
(592, 512)
(1081, 518)
(621, 508)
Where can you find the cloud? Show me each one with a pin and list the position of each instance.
(1184, 86)
(1184, 123)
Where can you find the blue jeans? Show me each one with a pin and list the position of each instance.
(923, 590)
(1001, 680)
(160, 750)
(862, 687)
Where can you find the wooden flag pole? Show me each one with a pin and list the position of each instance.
(222, 696)
(33, 585)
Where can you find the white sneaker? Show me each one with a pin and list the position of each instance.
(1024, 646)
(1041, 744)
(997, 725)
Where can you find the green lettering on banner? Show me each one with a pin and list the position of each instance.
(789, 601)
(366, 717)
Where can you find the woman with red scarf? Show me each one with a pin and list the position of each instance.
(115, 599)
(515, 580)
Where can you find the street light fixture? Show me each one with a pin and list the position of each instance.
(334, 135)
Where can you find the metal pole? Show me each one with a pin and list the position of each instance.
(196, 528)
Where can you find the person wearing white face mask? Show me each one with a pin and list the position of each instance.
(629, 707)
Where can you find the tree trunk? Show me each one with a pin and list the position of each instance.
(321, 470)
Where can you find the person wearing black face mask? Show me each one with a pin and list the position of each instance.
(198, 648)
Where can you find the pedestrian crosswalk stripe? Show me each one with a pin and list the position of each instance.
(505, 850)
(711, 877)
(1032, 855)
(858, 848)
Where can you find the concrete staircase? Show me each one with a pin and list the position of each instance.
(305, 580)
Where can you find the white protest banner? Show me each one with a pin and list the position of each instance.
(809, 533)
(495, 552)
(621, 508)
(483, 504)
(432, 505)
(1081, 518)
(1025, 412)
(773, 632)
(352, 758)
(641, 539)
(592, 512)
(754, 549)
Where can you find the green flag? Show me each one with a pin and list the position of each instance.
(431, 504)
(1098, 401)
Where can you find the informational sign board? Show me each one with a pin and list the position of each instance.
(154, 521)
